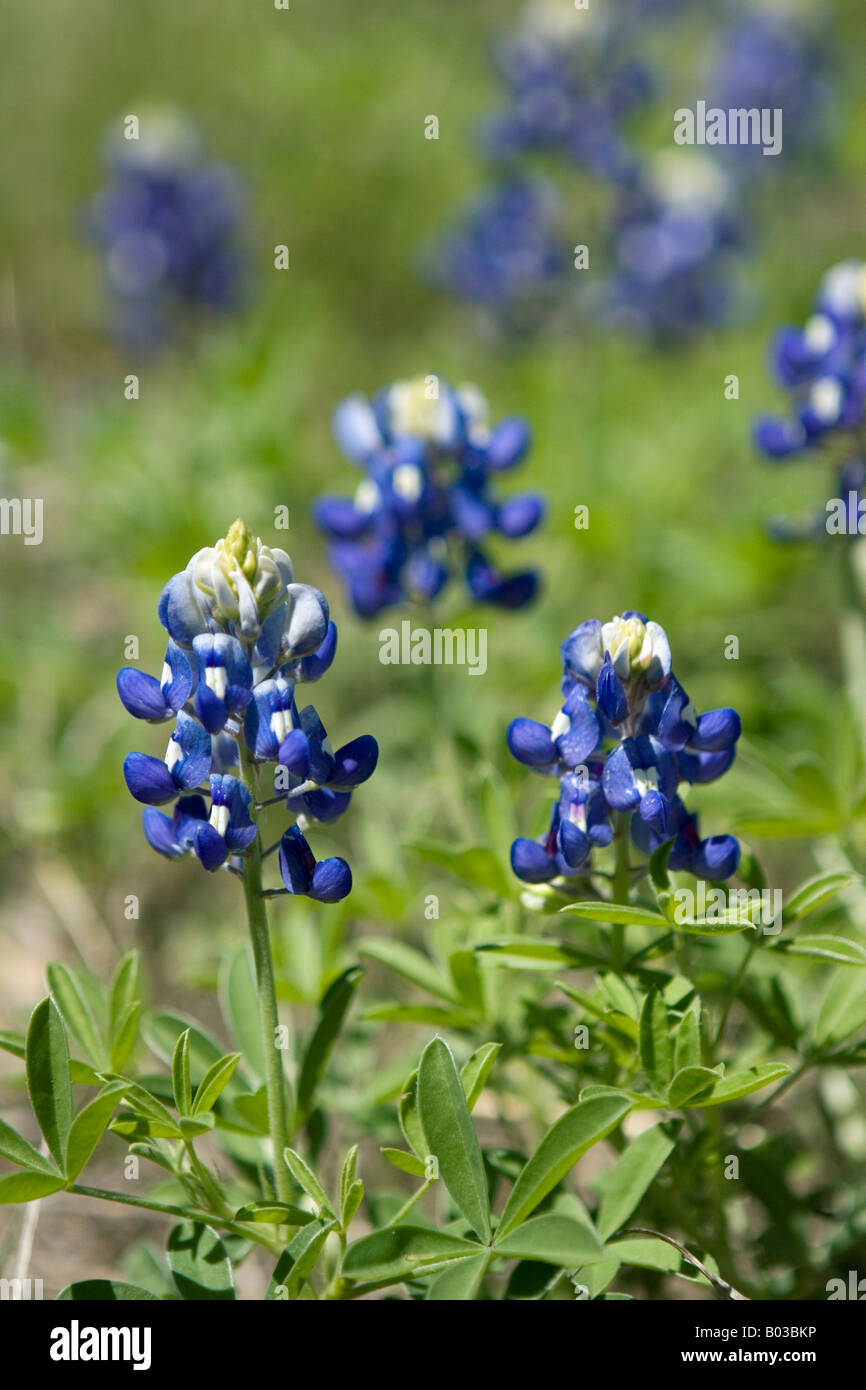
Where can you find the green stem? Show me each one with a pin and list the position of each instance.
(275, 1077)
(620, 894)
(182, 1213)
(407, 1206)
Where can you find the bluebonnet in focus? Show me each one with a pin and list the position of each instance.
(570, 81)
(672, 234)
(242, 636)
(822, 366)
(506, 253)
(627, 736)
(168, 222)
(425, 506)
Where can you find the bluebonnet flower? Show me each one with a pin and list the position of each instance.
(242, 636)
(626, 738)
(425, 507)
(822, 366)
(773, 59)
(168, 222)
(507, 253)
(570, 82)
(673, 233)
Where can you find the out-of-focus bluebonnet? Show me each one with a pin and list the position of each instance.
(242, 636)
(672, 236)
(626, 738)
(570, 80)
(507, 253)
(774, 58)
(169, 224)
(426, 507)
(822, 367)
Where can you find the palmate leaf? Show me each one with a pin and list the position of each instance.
(632, 1175)
(332, 1015)
(298, 1261)
(739, 1084)
(816, 891)
(656, 1048)
(837, 949)
(27, 1186)
(78, 1016)
(459, 1281)
(622, 914)
(89, 1126)
(450, 1135)
(18, 1150)
(410, 964)
(105, 1291)
(474, 1073)
(553, 1239)
(399, 1252)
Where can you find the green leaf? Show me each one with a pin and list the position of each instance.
(332, 1014)
(180, 1082)
(198, 1260)
(48, 1077)
(623, 914)
(631, 1177)
(477, 866)
(27, 1187)
(192, 1128)
(408, 1116)
(354, 1198)
(450, 1135)
(637, 1099)
(563, 1144)
(728, 923)
(161, 1031)
(399, 1251)
(843, 1009)
(647, 1254)
(347, 1174)
(89, 1126)
(558, 1240)
(298, 1261)
(406, 1162)
(76, 1012)
(689, 1084)
(239, 1002)
(814, 892)
(274, 1214)
(467, 978)
(105, 1291)
(215, 1079)
(833, 948)
(687, 1044)
(475, 1072)
(529, 953)
(459, 1281)
(15, 1147)
(656, 1052)
(412, 965)
(658, 867)
(253, 1110)
(124, 994)
(123, 1040)
(742, 1083)
(420, 1013)
(306, 1178)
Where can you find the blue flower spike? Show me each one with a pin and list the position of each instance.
(243, 635)
(626, 738)
(426, 508)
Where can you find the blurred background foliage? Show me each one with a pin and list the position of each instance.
(323, 113)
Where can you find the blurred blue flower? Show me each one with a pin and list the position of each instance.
(627, 736)
(506, 253)
(425, 506)
(822, 367)
(243, 635)
(672, 236)
(169, 225)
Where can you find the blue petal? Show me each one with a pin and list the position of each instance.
(321, 758)
(332, 881)
(210, 847)
(610, 695)
(716, 857)
(572, 844)
(704, 767)
(583, 734)
(307, 626)
(194, 743)
(654, 809)
(582, 653)
(148, 779)
(519, 515)
(323, 804)
(509, 441)
(297, 861)
(530, 742)
(142, 695)
(310, 668)
(354, 763)
(178, 678)
(294, 753)
(355, 428)
(338, 517)
(531, 862)
(179, 611)
(717, 731)
(159, 832)
(618, 781)
(678, 719)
